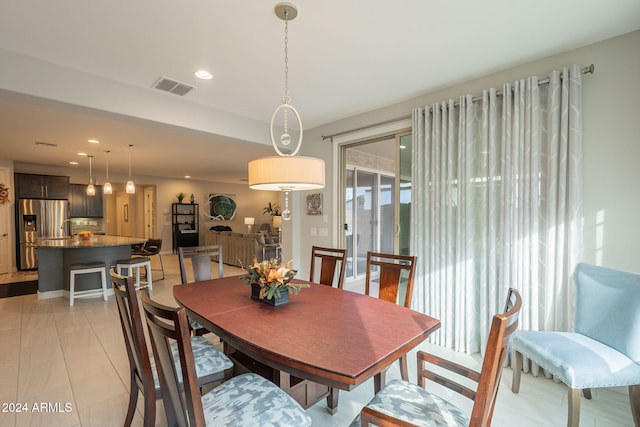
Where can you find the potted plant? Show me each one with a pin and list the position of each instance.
(180, 197)
(271, 281)
(271, 209)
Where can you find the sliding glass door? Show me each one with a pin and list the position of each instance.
(376, 208)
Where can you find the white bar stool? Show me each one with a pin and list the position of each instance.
(136, 263)
(87, 268)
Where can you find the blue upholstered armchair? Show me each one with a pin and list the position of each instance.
(604, 349)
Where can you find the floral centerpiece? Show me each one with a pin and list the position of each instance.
(272, 278)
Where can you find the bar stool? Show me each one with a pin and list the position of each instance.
(87, 268)
(136, 263)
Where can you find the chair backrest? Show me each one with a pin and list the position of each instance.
(329, 260)
(200, 257)
(133, 330)
(153, 246)
(608, 307)
(166, 324)
(502, 329)
(394, 271)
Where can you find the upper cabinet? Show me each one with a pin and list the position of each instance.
(31, 186)
(83, 206)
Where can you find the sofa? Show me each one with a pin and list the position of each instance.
(238, 249)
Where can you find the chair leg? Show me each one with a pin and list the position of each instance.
(133, 401)
(634, 400)
(517, 372)
(161, 266)
(574, 407)
(587, 393)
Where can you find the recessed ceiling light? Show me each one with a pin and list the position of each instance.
(94, 141)
(74, 163)
(187, 176)
(203, 74)
(82, 154)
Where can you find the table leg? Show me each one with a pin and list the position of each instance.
(379, 381)
(404, 370)
(332, 401)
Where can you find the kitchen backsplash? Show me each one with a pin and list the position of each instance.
(86, 224)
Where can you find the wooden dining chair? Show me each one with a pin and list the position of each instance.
(402, 403)
(213, 365)
(394, 275)
(394, 272)
(244, 400)
(201, 257)
(329, 259)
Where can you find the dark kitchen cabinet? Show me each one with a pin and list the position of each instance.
(83, 206)
(184, 218)
(32, 186)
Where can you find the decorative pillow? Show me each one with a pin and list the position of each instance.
(221, 228)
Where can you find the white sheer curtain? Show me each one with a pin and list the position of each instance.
(497, 203)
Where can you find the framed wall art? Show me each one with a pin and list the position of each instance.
(220, 207)
(314, 204)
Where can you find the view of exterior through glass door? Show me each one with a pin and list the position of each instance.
(376, 213)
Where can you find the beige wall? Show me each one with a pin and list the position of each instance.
(611, 149)
(249, 202)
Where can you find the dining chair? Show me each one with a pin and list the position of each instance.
(393, 275)
(329, 260)
(402, 403)
(201, 257)
(244, 400)
(602, 350)
(212, 364)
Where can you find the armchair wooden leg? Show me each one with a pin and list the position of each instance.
(517, 371)
(634, 400)
(574, 407)
(587, 393)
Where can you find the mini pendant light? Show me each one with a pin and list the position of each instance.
(91, 190)
(106, 188)
(130, 188)
(286, 172)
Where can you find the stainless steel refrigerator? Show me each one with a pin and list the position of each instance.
(39, 219)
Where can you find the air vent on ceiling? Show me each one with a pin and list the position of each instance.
(172, 86)
(46, 144)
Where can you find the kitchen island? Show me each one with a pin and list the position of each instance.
(56, 255)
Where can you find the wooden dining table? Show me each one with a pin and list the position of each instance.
(324, 340)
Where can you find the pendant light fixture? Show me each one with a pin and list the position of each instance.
(107, 188)
(130, 188)
(91, 189)
(286, 172)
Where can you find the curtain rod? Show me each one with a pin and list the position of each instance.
(585, 70)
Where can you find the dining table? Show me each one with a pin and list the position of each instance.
(323, 340)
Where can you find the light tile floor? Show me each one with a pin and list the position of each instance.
(67, 366)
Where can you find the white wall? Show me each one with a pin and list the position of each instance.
(611, 99)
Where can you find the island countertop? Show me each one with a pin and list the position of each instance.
(96, 241)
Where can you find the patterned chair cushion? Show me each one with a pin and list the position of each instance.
(195, 325)
(411, 403)
(249, 400)
(208, 359)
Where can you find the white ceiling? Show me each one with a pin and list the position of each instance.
(344, 59)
